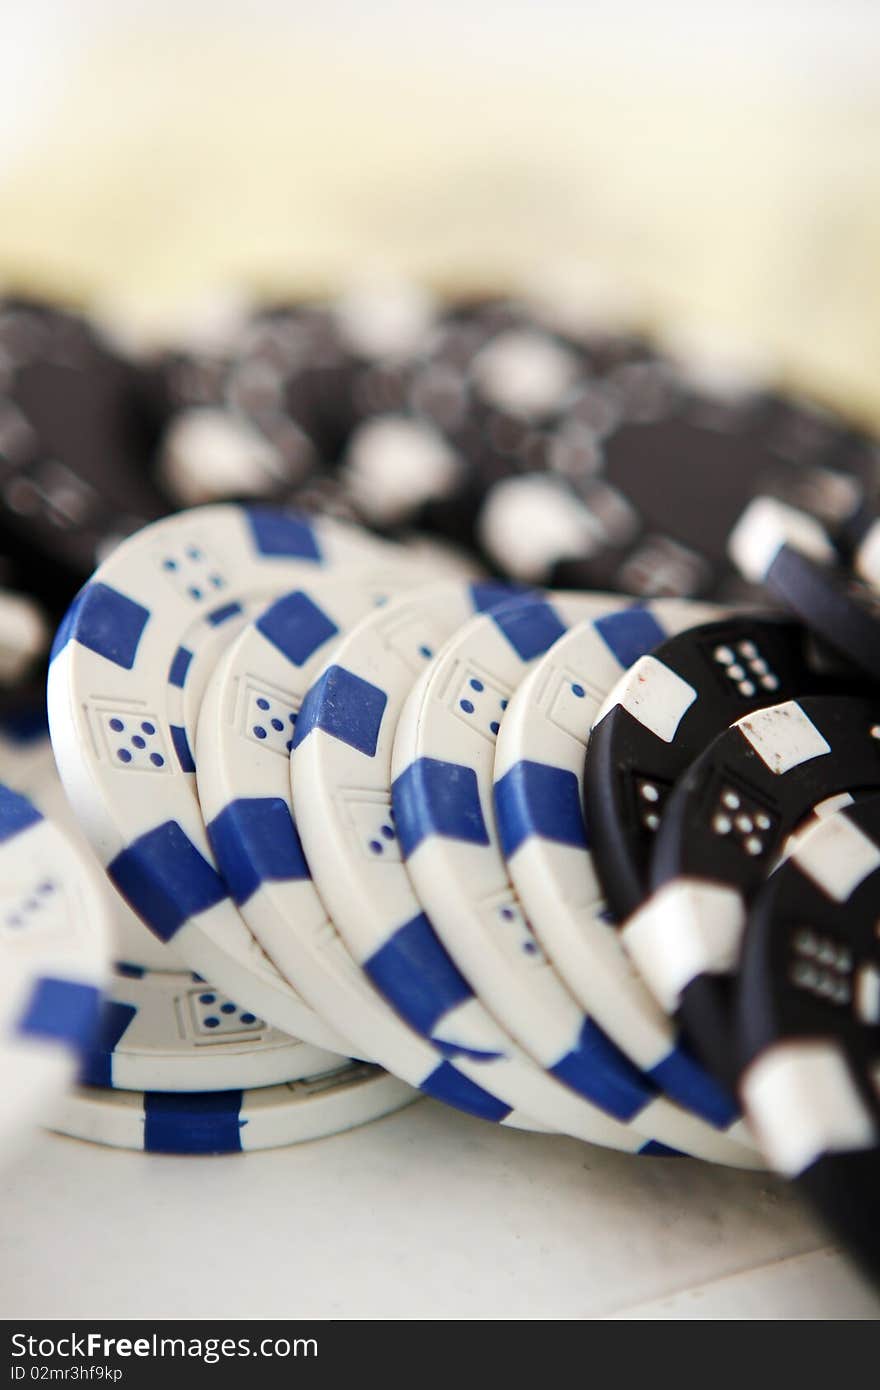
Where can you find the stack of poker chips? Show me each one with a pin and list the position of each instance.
(449, 740)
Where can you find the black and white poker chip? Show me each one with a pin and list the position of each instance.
(722, 830)
(74, 449)
(808, 1022)
(664, 711)
(678, 464)
(788, 551)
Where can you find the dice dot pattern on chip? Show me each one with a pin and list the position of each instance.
(664, 711)
(724, 825)
(808, 1021)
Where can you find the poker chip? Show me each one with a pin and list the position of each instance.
(129, 666)
(341, 781)
(791, 554)
(226, 1122)
(642, 475)
(808, 1009)
(250, 713)
(442, 768)
(663, 712)
(74, 458)
(162, 1031)
(723, 827)
(551, 850)
(27, 764)
(54, 957)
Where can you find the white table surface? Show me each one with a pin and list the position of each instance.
(424, 1214)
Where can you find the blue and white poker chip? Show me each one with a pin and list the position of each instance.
(246, 729)
(443, 762)
(226, 1122)
(27, 764)
(341, 779)
(129, 666)
(162, 1031)
(54, 961)
(539, 804)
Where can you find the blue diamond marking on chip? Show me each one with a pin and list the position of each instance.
(116, 1019)
(344, 706)
(296, 626)
(63, 1011)
(256, 841)
(207, 1123)
(281, 533)
(16, 814)
(448, 1084)
(684, 1079)
(222, 615)
(131, 972)
(105, 621)
(416, 971)
(629, 634)
(491, 593)
(539, 799)
(595, 1068)
(530, 627)
(432, 797)
(165, 879)
(179, 668)
(182, 749)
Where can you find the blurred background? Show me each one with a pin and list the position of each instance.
(708, 165)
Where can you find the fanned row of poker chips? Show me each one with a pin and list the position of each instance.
(227, 697)
(362, 797)
(354, 787)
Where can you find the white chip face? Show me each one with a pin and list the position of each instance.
(765, 527)
(803, 1103)
(129, 667)
(528, 523)
(783, 736)
(444, 757)
(837, 856)
(654, 695)
(525, 373)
